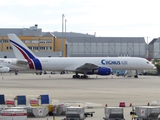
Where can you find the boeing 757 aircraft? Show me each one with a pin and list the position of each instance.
(79, 65)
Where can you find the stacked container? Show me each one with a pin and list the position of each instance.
(2, 102)
(14, 114)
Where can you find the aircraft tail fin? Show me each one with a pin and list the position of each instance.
(21, 51)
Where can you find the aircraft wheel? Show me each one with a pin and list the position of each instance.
(16, 72)
(136, 76)
(74, 76)
(82, 77)
(86, 77)
(78, 76)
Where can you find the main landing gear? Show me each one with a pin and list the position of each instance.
(136, 75)
(16, 72)
(38, 73)
(78, 76)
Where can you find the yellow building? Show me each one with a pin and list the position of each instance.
(35, 42)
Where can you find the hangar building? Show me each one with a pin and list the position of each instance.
(154, 48)
(84, 45)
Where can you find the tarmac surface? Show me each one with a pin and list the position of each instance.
(97, 90)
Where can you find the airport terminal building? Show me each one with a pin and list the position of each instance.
(74, 45)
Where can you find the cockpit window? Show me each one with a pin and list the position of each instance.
(147, 62)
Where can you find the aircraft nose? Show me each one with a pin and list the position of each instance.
(154, 67)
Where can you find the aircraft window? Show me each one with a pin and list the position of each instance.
(147, 62)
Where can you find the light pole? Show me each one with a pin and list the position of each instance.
(62, 33)
(65, 37)
(147, 47)
(65, 27)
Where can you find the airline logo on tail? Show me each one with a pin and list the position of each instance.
(33, 62)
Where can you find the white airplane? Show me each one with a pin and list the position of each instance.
(6, 66)
(82, 65)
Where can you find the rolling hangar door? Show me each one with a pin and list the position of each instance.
(154, 49)
(106, 46)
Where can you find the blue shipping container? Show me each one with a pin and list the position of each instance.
(2, 99)
(21, 100)
(44, 99)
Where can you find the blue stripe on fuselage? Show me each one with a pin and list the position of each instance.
(36, 61)
(37, 64)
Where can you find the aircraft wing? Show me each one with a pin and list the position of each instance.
(85, 67)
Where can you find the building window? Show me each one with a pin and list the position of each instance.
(30, 48)
(27, 41)
(7, 47)
(45, 41)
(10, 47)
(48, 41)
(35, 41)
(48, 48)
(5, 41)
(35, 48)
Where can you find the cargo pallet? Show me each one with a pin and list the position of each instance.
(113, 113)
(76, 113)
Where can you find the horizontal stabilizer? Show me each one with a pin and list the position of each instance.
(22, 62)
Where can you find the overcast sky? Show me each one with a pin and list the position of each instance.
(106, 18)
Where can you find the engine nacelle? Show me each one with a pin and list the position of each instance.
(101, 71)
(4, 69)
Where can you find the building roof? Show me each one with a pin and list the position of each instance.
(32, 31)
(154, 40)
(157, 40)
(47, 34)
(106, 39)
(6, 31)
(71, 34)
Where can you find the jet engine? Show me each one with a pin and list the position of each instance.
(101, 71)
(4, 69)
